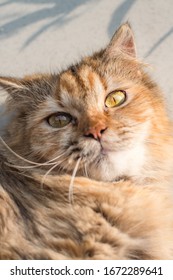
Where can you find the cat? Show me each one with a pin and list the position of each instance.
(86, 161)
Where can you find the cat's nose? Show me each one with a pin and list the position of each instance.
(96, 131)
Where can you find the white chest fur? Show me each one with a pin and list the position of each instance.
(125, 163)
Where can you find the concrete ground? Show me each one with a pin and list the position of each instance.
(39, 35)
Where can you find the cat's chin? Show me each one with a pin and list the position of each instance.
(114, 165)
(102, 169)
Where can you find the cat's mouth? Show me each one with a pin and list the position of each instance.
(99, 151)
(93, 151)
(94, 158)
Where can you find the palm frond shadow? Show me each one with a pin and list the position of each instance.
(159, 42)
(119, 15)
(57, 13)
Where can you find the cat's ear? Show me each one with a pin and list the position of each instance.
(13, 86)
(122, 40)
(31, 88)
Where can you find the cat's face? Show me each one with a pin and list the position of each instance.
(99, 111)
(101, 118)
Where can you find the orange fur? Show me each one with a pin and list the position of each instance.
(124, 209)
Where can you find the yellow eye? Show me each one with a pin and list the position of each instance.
(59, 120)
(115, 98)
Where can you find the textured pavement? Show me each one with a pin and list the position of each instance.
(43, 36)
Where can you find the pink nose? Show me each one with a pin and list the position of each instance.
(96, 131)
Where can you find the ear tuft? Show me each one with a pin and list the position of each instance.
(11, 85)
(122, 40)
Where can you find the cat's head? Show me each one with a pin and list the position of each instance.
(104, 111)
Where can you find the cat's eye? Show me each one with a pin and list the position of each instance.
(59, 120)
(115, 98)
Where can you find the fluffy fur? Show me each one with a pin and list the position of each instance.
(124, 209)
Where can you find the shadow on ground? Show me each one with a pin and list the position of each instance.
(159, 42)
(119, 14)
(59, 12)
(118, 18)
(56, 12)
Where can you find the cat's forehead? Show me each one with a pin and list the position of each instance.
(81, 80)
(87, 85)
(81, 85)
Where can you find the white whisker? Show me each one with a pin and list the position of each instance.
(36, 164)
(14, 153)
(47, 173)
(53, 167)
(70, 197)
(86, 172)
